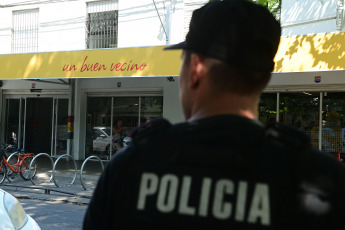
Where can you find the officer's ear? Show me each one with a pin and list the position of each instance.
(197, 69)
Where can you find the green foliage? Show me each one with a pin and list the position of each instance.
(273, 6)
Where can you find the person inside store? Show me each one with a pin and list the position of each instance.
(222, 168)
(118, 134)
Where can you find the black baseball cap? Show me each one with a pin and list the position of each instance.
(238, 32)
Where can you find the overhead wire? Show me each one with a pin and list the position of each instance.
(24, 3)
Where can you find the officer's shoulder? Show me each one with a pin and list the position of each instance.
(157, 126)
(288, 136)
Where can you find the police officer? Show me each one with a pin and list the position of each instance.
(221, 169)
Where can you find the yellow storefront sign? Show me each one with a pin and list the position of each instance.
(319, 52)
(142, 61)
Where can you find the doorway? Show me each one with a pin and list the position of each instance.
(37, 125)
(111, 120)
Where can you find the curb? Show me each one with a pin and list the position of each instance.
(47, 194)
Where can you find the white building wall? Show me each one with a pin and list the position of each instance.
(140, 25)
(308, 16)
(5, 31)
(62, 25)
(310, 28)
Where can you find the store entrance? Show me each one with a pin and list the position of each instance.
(111, 120)
(38, 125)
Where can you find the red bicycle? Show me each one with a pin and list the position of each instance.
(17, 162)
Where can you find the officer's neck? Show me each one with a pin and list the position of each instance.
(245, 106)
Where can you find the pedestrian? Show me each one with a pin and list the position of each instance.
(221, 169)
(118, 134)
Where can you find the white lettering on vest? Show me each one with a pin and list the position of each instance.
(148, 186)
(205, 196)
(260, 207)
(169, 191)
(185, 190)
(241, 200)
(221, 209)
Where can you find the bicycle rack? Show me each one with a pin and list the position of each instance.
(8, 159)
(75, 168)
(82, 167)
(12, 154)
(33, 160)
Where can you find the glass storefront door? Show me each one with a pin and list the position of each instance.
(111, 120)
(38, 125)
(124, 119)
(333, 123)
(14, 123)
(302, 110)
(268, 108)
(60, 121)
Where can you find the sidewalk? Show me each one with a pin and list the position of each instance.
(45, 189)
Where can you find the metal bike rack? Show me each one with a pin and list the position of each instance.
(34, 159)
(8, 159)
(82, 167)
(12, 154)
(75, 168)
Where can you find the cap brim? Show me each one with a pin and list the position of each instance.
(182, 45)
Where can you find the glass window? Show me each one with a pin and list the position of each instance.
(61, 121)
(151, 107)
(123, 114)
(25, 31)
(333, 123)
(301, 110)
(101, 24)
(13, 122)
(268, 108)
(98, 119)
(125, 119)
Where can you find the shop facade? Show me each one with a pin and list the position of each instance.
(72, 102)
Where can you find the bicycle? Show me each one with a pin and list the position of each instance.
(17, 162)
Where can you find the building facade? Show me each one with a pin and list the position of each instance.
(58, 95)
(36, 112)
(311, 99)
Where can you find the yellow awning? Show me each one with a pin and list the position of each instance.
(143, 61)
(319, 52)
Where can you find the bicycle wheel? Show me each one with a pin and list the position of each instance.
(12, 160)
(3, 171)
(24, 168)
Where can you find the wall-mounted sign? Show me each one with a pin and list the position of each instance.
(317, 79)
(122, 62)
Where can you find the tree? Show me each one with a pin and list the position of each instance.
(273, 6)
